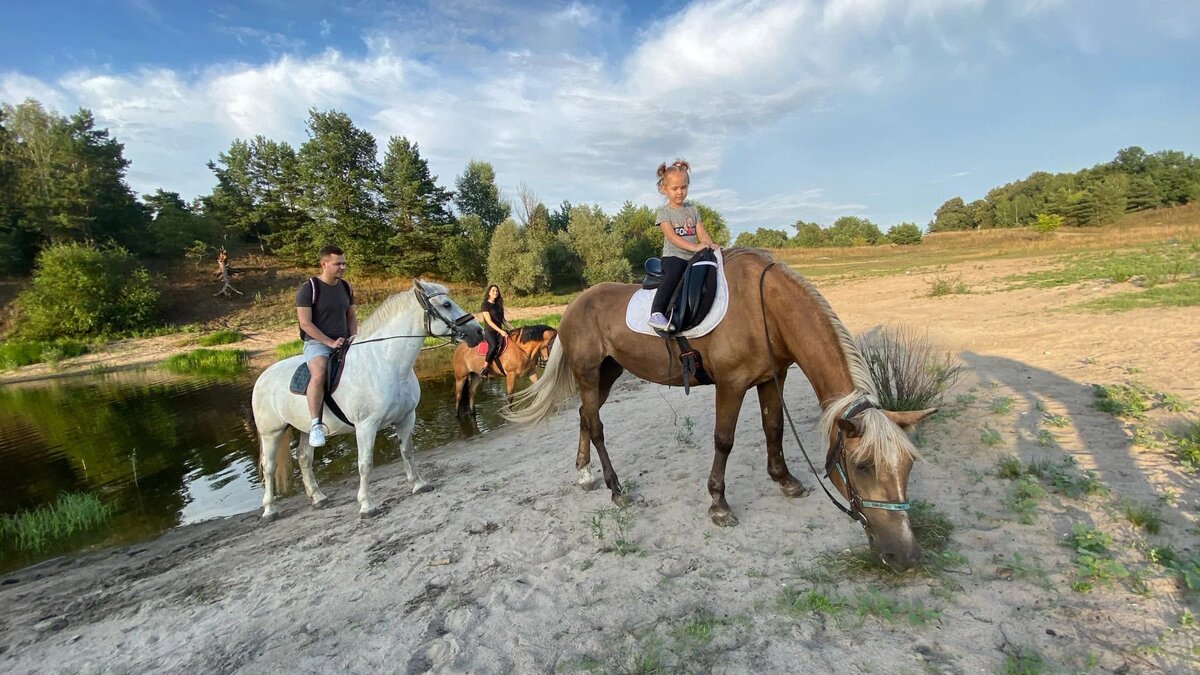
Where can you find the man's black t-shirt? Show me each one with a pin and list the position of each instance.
(332, 304)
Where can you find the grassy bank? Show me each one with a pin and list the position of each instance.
(39, 529)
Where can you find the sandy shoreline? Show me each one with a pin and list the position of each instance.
(507, 566)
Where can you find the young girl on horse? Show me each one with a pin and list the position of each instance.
(491, 316)
(683, 235)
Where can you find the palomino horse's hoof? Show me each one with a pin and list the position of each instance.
(722, 518)
(793, 488)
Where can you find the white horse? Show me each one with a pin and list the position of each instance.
(378, 388)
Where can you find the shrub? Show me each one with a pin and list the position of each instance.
(1047, 223)
(909, 372)
(80, 290)
(904, 234)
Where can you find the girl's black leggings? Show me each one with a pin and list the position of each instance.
(672, 270)
(493, 340)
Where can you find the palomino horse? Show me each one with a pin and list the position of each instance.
(527, 347)
(378, 388)
(867, 447)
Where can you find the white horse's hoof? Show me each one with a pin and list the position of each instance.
(320, 502)
(269, 515)
(368, 513)
(421, 486)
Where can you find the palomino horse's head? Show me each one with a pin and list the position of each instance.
(443, 316)
(869, 460)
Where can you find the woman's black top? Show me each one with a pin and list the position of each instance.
(496, 312)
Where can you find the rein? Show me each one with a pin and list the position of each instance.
(857, 503)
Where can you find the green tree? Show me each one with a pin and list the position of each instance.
(19, 241)
(808, 235)
(258, 191)
(904, 234)
(463, 258)
(640, 236)
(560, 218)
(763, 237)
(714, 224)
(600, 251)
(416, 208)
(175, 226)
(853, 231)
(476, 193)
(516, 261)
(1143, 194)
(951, 216)
(79, 290)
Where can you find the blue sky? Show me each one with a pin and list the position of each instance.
(798, 110)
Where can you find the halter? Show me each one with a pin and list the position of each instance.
(837, 456)
(432, 312)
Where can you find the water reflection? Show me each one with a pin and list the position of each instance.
(164, 451)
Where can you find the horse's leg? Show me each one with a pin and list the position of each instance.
(510, 383)
(729, 404)
(365, 435)
(268, 443)
(772, 421)
(591, 430)
(473, 383)
(305, 453)
(404, 429)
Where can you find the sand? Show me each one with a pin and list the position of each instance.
(508, 566)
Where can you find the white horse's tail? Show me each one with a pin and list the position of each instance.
(541, 400)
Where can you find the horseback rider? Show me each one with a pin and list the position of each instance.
(491, 315)
(325, 309)
(683, 235)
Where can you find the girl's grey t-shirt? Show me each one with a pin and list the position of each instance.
(683, 221)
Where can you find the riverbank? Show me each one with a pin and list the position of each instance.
(508, 567)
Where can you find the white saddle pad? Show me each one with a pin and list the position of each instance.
(637, 314)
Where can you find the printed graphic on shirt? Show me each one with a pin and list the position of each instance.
(687, 228)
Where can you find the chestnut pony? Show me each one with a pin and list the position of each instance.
(527, 348)
(869, 455)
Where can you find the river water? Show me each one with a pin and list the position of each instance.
(163, 450)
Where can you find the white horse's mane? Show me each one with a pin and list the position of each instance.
(883, 442)
(393, 305)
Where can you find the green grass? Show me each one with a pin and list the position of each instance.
(1064, 478)
(289, 349)
(1093, 564)
(225, 336)
(1157, 264)
(210, 362)
(1145, 516)
(1023, 498)
(1002, 405)
(1025, 661)
(17, 353)
(990, 436)
(546, 319)
(1123, 400)
(39, 529)
(799, 604)
(1182, 294)
(1186, 446)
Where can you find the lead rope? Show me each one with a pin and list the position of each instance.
(779, 389)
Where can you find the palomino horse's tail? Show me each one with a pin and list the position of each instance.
(540, 400)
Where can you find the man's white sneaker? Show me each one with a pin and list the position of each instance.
(658, 321)
(316, 435)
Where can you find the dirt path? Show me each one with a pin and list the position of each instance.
(508, 567)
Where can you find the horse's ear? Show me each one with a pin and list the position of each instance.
(417, 283)
(851, 428)
(909, 418)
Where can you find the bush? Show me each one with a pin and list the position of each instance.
(15, 354)
(517, 261)
(79, 290)
(904, 234)
(909, 372)
(1047, 223)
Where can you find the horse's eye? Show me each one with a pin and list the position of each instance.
(446, 304)
(864, 468)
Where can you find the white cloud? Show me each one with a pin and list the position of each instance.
(533, 94)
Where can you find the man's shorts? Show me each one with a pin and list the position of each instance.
(313, 349)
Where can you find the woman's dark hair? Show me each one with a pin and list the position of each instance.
(499, 297)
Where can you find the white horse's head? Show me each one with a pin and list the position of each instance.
(443, 316)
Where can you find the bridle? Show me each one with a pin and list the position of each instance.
(538, 359)
(456, 334)
(837, 454)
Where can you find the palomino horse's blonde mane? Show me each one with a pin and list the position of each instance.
(883, 442)
(389, 308)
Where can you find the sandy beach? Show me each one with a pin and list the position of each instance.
(508, 567)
